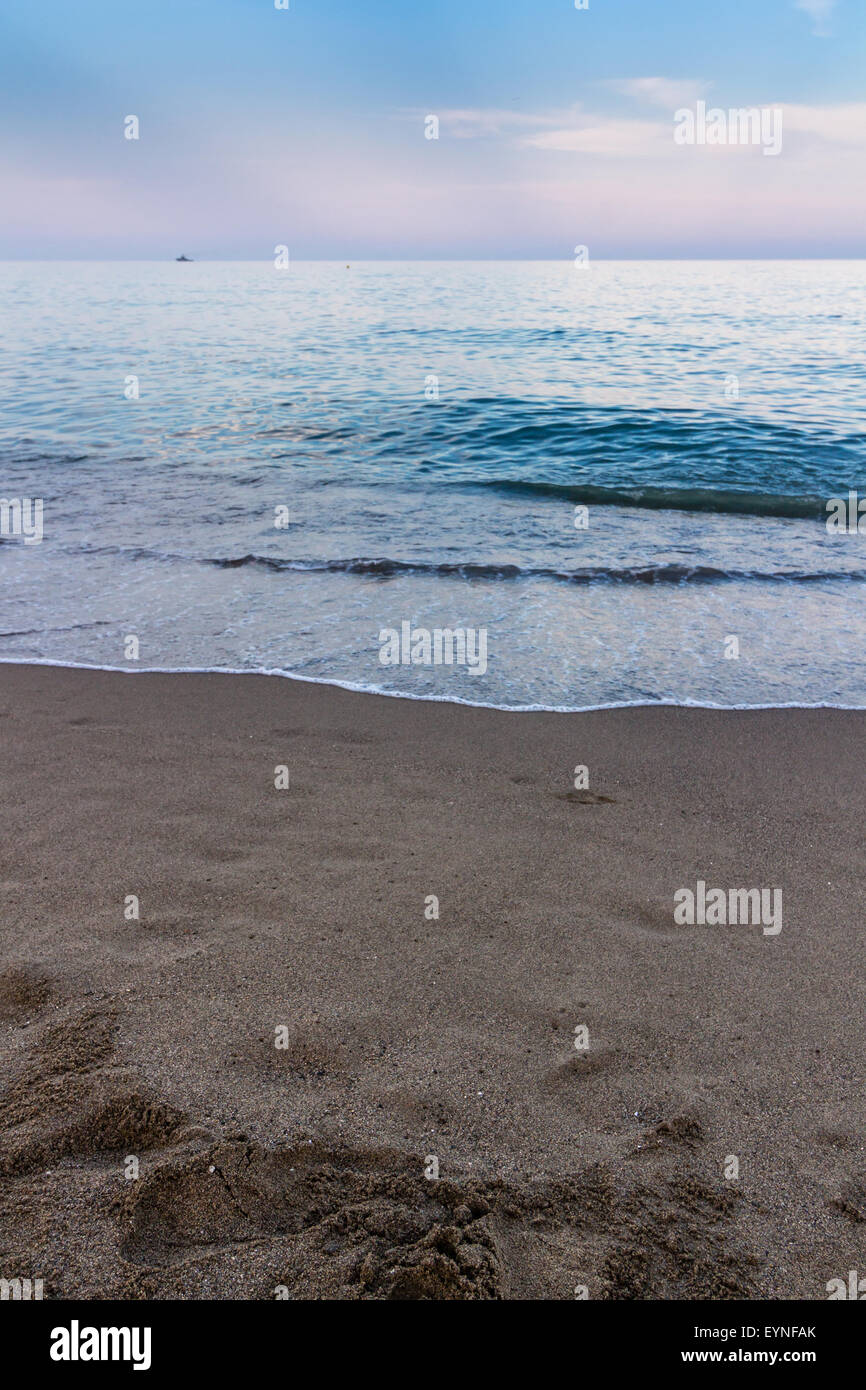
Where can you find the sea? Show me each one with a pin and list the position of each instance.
(618, 472)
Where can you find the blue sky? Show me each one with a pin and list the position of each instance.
(306, 127)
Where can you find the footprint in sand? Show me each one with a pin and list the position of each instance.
(587, 798)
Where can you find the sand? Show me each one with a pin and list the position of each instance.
(411, 1044)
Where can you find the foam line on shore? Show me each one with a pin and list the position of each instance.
(360, 688)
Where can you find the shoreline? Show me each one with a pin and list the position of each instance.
(358, 688)
(297, 1158)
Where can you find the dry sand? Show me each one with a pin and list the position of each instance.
(303, 1166)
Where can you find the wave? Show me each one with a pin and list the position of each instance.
(384, 568)
(723, 448)
(726, 501)
(368, 688)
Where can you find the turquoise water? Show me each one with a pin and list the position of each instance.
(432, 430)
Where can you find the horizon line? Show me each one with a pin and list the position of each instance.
(339, 260)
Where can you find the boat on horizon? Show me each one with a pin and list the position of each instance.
(183, 258)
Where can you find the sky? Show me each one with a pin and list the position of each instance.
(306, 127)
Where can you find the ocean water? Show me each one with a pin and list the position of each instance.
(432, 429)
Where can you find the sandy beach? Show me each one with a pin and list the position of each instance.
(247, 1091)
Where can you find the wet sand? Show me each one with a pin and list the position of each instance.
(410, 1043)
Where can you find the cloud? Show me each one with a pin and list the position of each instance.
(819, 12)
(840, 125)
(483, 123)
(647, 137)
(607, 136)
(667, 92)
(570, 130)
